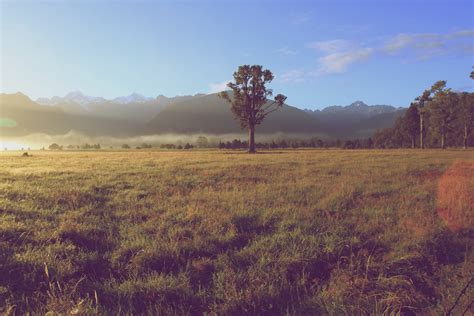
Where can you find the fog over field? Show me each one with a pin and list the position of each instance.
(40, 140)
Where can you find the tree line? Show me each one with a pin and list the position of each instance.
(358, 143)
(439, 117)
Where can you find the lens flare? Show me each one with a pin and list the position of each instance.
(11, 145)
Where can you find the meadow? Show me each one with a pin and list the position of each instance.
(297, 232)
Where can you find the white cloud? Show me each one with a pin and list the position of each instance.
(331, 46)
(337, 55)
(286, 51)
(292, 76)
(337, 63)
(463, 33)
(397, 43)
(427, 45)
(218, 87)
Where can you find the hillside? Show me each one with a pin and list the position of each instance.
(137, 115)
(28, 117)
(211, 114)
(134, 107)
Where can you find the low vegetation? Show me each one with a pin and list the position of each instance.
(193, 232)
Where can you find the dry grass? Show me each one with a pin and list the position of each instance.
(282, 232)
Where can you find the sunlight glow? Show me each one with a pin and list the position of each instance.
(11, 145)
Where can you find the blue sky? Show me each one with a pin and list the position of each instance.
(321, 52)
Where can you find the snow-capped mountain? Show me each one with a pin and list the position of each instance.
(84, 100)
(184, 114)
(132, 98)
(356, 108)
(72, 97)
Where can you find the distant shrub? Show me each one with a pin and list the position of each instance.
(168, 146)
(348, 144)
(89, 146)
(55, 146)
(125, 146)
(202, 142)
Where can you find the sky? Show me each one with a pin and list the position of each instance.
(322, 53)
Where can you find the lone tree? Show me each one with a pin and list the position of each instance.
(249, 98)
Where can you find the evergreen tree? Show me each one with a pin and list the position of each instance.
(443, 110)
(421, 104)
(466, 116)
(411, 123)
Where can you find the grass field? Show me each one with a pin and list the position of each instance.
(283, 232)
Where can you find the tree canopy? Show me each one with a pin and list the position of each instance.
(445, 115)
(250, 98)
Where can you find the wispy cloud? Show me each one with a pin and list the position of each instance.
(427, 45)
(218, 87)
(286, 51)
(292, 76)
(335, 57)
(338, 54)
(331, 46)
(337, 63)
(463, 33)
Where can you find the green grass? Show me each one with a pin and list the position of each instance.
(281, 232)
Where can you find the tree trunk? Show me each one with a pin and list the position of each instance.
(252, 139)
(465, 136)
(422, 145)
(413, 141)
(443, 138)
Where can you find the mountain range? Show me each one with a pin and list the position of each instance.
(136, 114)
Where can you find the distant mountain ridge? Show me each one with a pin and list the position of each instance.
(132, 98)
(357, 118)
(138, 115)
(358, 107)
(211, 114)
(72, 97)
(134, 107)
